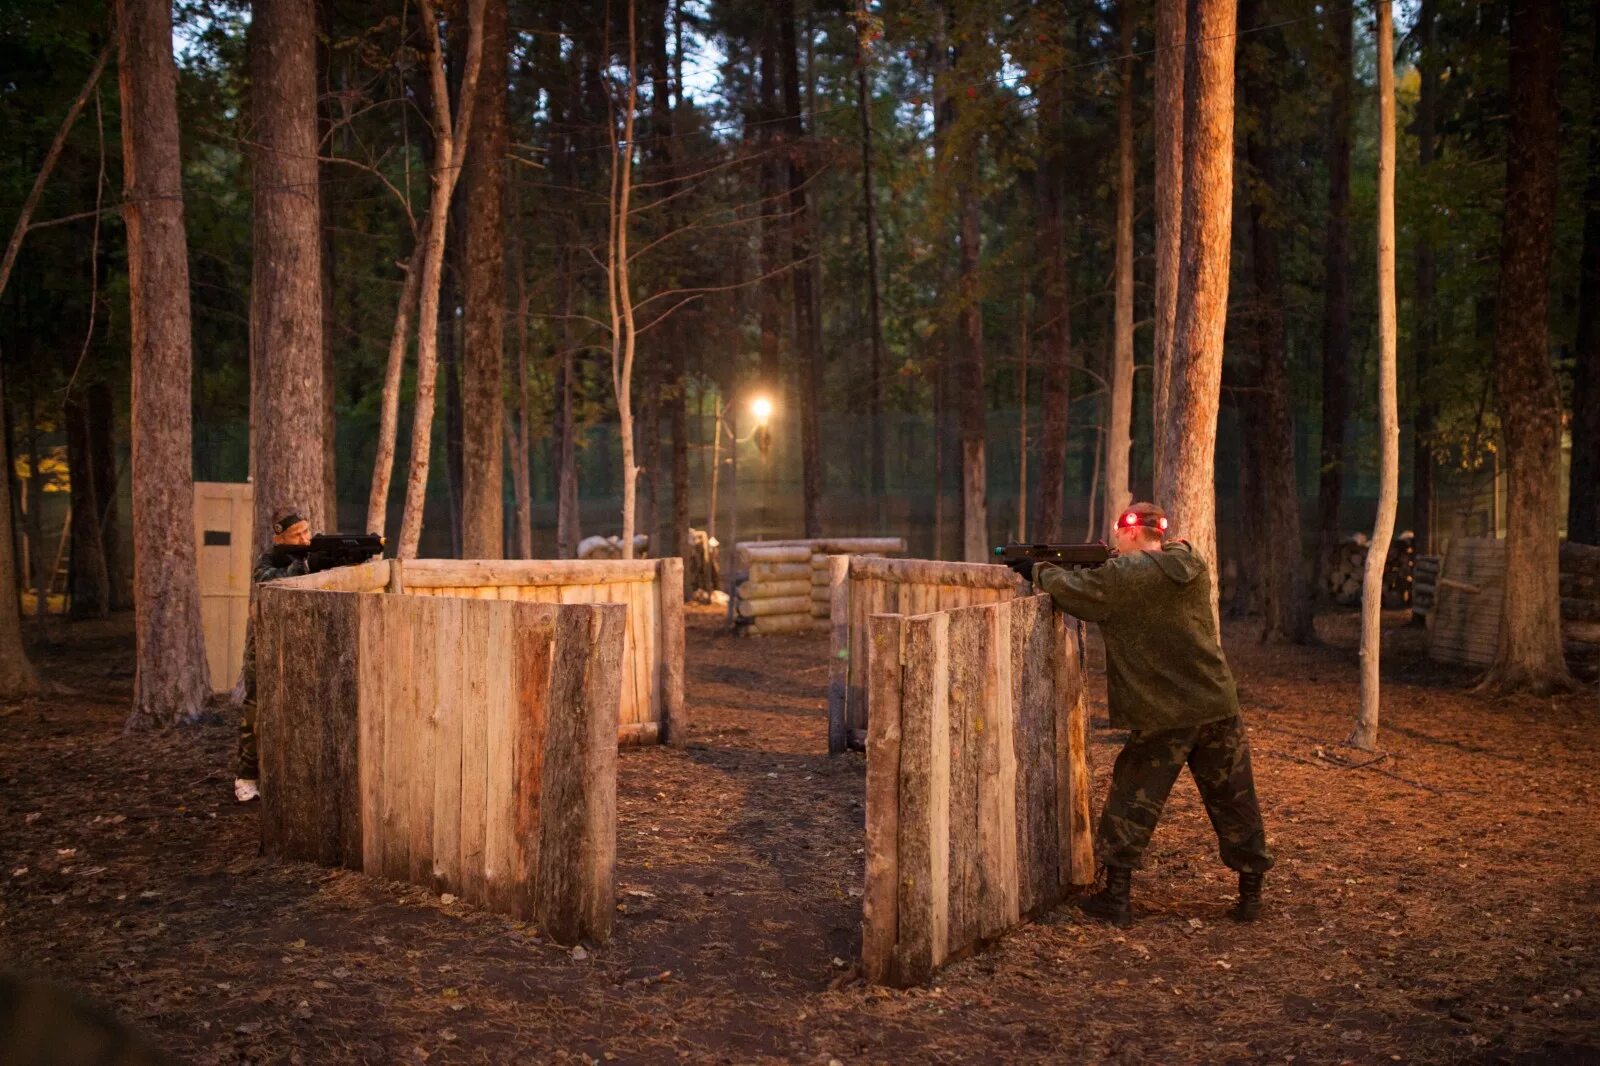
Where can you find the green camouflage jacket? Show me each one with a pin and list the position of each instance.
(1164, 664)
(270, 566)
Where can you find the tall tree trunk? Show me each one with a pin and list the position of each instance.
(170, 681)
(103, 456)
(450, 369)
(1171, 45)
(1583, 503)
(620, 286)
(1426, 331)
(17, 677)
(483, 471)
(1365, 734)
(808, 339)
(869, 219)
(449, 147)
(520, 430)
(1336, 290)
(1055, 326)
(1119, 434)
(568, 531)
(1286, 600)
(1530, 653)
(88, 582)
(287, 393)
(1186, 485)
(971, 401)
(389, 404)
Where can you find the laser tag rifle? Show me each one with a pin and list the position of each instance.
(1022, 557)
(328, 550)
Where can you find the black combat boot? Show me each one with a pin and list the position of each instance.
(1248, 909)
(1110, 904)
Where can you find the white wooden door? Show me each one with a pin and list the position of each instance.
(223, 513)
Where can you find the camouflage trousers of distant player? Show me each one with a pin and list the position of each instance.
(1218, 757)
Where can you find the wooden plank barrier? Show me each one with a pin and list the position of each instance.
(651, 706)
(783, 585)
(862, 586)
(461, 744)
(977, 780)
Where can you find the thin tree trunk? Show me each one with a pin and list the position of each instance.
(103, 456)
(568, 531)
(88, 582)
(1055, 326)
(17, 677)
(389, 407)
(1286, 602)
(621, 291)
(971, 401)
(287, 392)
(450, 370)
(449, 148)
(483, 471)
(1336, 292)
(808, 338)
(170, 679)
(521, 428)
(1119, 437)
(875, 367)
(1186, 485)
(1530, 653)
(773, 230)
(1365, 734)
(1426, 330)
(1171, 46)
(1024, 342)
(1583, 504)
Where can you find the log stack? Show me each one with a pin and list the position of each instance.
(1424, 583)
(1347, 571)
(783, 586)
(1580, 608)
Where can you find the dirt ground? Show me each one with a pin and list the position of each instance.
(1439, 906)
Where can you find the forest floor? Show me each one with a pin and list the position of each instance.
(1442, 905)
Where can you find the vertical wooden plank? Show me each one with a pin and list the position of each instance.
(1034, 741)
(449, 665)
(669, 612)
(277, 786)
(575, 887)
(333, 689)
(923, 906)
(641, 612)
(503, 708)
(533, 634)
(424, 727)
(486, 650)
(858, 698)
(373, 664)
(968, 722)
(838, 653)
(399, 613)
(879, 901)
(998, 907)
(1072, 756)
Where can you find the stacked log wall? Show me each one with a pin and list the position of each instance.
(783, 585)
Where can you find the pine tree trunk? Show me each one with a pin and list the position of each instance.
(808, 334)
(17, 677)
(1365, 734)
(170, 680)
(875, 367)
(1055, 328)
(1171, 35)
(287, 393)
(483, 471)
(568, 530)
(1583, 504)
(1336, 291)
(1530, 653)
(623, 337)
(520, 429)
(1286, 599)
(88, 583)
(1186, 485)
(103, 457)
(450, 370)
(971, 401)
(773, 230)
(1119, 434)
(1426, 330)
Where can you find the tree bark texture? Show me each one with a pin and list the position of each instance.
(808, 331)
(1119, 434)
(1583, 504)
(1336, 288)
(774, 253)
(1530, 653)
(1186, 485)
(869, 219)
(1286, 599)
(286, 390)
(170, 679)
(482, 438)
(971, 402)
(1426, 330)
(107, 482)
(17, 677)
(568, 530)
(1055, 330)
(1171, 47)
(88, 583)
(1365, 734)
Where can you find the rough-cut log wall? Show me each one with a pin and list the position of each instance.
(468, 745)
(783, 586)
(977, 780)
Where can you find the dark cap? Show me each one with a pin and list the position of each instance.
(285, 518)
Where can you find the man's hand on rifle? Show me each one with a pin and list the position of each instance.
(1023, 568)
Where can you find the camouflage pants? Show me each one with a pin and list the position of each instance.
(1218, 756)
(249, 761)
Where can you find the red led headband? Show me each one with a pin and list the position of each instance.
(1131, 519)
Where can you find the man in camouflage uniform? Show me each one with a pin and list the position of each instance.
(288, 530)
(1169, 685)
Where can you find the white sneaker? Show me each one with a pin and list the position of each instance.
(245, 790)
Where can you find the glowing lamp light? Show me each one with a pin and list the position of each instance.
(761, 407)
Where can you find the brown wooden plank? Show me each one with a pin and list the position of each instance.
(1034, 740)
(533, 634)
(857, 696)
(338, 710)
(373, 665)
(922, 910)
(424, 728)
(472, 573)
(838, 653)
(399, 619)
(968, 721)
(674, 721)
(280, 788)
(503, 708)
(449, 667)
(1072, 756)
(879, 901)
(485, 637)
(999, 895)
(576, 879)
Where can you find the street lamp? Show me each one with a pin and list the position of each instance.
(761, 409)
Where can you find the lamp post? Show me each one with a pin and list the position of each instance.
(761, 409)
